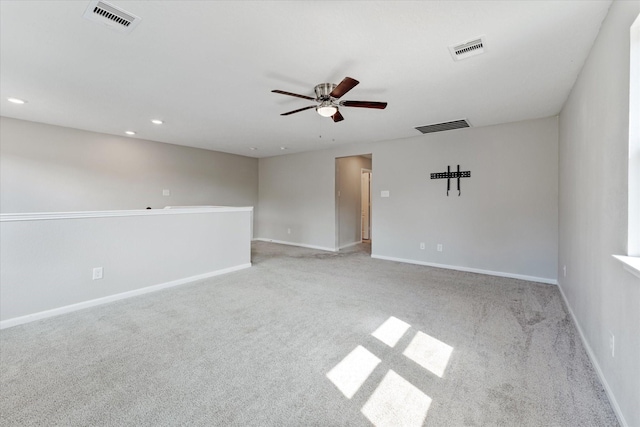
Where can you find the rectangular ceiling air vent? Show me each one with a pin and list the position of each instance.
(111, 16)
(440, 127)
(467, 49)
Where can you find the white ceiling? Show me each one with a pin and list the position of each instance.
(207, 68)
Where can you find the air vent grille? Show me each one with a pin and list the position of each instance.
(121, 19)
(440, 127)
(111, 16)
(467, 49)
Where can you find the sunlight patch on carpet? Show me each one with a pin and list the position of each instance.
(429, 352)
(396, 402)
(391, 331)
(353, 371)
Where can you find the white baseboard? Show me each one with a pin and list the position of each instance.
(470, 270)
(348, 245)
(302, 245)
(594, 362)
(99, 301)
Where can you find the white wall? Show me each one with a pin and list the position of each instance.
(505, 221)
(594, 147)
(348, 172)
(47, 264)
(297, 192)
(46, 168)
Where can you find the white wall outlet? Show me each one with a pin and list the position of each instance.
(439, 247)
(97, 273)
(422, 245)
(166, 192)
(612, 344)
(564, 271)
(384, 193)
(288, 231)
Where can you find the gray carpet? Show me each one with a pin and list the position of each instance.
(289, 343)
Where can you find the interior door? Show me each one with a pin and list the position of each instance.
(365, 186)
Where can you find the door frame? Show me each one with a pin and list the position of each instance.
(362, 172)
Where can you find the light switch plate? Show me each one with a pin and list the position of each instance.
(384, 193)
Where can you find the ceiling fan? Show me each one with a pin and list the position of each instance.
(328, 94)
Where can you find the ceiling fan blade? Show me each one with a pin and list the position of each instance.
(345, 86)
(337, 117)
(364, 104)
(298, 110)
(281, 92)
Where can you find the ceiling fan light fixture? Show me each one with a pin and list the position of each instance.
(326, 109)
(328, 95)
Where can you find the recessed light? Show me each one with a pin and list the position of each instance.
(17, 100)
(283, 148)
(157, 122)
(130, 132)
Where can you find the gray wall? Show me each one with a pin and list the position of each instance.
(46, 168)
(47, 264)
(505, 221)
(349, 214)
(297, 192)
(594, 143)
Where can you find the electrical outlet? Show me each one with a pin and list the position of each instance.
(97, 273)
(439, 247)
(564, 271)
(612, 344)
(422, 245)
(288, 231)
(166, 192)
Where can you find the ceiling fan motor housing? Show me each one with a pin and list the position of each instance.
(323, 90)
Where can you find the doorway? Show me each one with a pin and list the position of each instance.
(353, 203)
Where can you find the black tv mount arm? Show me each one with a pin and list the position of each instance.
(448, 175)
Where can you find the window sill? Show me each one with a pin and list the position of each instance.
(630, 263)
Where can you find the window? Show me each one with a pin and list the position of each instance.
(631, 262)
(633, 242)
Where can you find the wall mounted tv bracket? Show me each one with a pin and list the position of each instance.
(448, 175)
